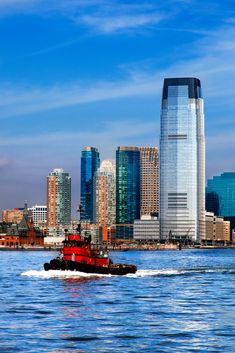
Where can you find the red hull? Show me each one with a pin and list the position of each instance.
(80, 251)
(79, 255)
(72, 254)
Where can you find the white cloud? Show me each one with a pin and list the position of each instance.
(103, 16)
(212, 60)
(111, 24)
(41, 7)
(23, 100)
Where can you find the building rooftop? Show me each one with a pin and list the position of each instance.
(194, 86)
(128, 148)
(89, 148)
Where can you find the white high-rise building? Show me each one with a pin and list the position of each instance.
(182, 160)
(39, 213)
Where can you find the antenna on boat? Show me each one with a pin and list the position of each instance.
(66, 234)
(79, 210)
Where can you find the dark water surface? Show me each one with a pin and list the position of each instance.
(179, 301)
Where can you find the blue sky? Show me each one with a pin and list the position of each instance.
(90, 72)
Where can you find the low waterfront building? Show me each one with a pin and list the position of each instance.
(233, 236)
(54, 241)
(217, 229)
(23, 234)
(147, 228)
(227, 231)
(9, 240)
(56, 231)
(3, 227)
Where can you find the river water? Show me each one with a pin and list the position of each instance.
(178, 301)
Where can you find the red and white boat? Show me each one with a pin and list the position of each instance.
(78, 254)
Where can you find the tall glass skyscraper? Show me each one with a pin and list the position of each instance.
(182, 160)
(58, 198)
(127, 190)
(90, 162)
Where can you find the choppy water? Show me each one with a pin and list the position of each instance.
(178, 301)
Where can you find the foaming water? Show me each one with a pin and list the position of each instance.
(61, 274)
(181, 301)
(139, 273)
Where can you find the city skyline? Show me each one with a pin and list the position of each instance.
(75, 75)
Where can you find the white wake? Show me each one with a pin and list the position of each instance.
(61, 274)
(139, 273)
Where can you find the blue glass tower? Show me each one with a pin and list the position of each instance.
(220, 195)
(182, 160)
(127, 190)
(90, 162)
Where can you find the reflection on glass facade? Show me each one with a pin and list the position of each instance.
(127, 190)
(220, 195)
(90, 162)
(182, 160)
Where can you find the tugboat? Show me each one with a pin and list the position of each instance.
(79, 254)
